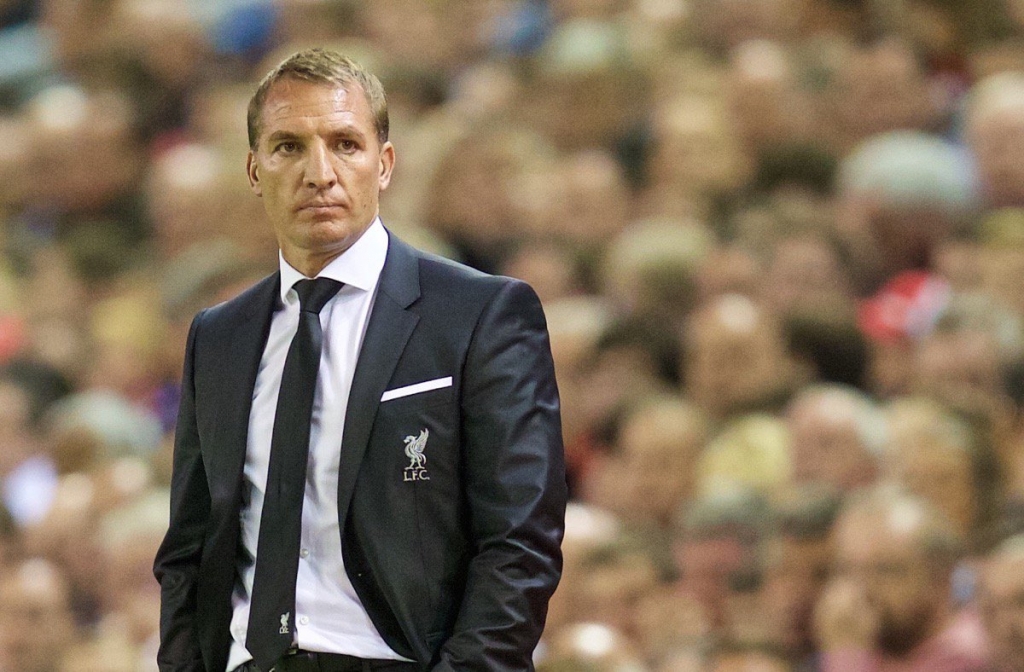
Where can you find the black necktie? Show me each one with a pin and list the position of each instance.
(272, 611)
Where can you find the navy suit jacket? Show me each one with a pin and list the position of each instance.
(455, 572)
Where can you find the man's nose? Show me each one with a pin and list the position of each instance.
(319, 172)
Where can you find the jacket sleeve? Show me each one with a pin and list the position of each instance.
(514, 479)
(177, 561)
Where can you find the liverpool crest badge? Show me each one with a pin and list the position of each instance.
(414, 447)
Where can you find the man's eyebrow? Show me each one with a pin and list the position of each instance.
(342, 130)
(282, 135)
(350, 130)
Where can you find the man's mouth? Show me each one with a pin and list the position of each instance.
(321, 209)
(320, 206)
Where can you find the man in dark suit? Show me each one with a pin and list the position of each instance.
(424, 530)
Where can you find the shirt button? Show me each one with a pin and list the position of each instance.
(304, 553)
(304, 620)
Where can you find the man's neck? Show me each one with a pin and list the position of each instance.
(310, 266)
(311, 262)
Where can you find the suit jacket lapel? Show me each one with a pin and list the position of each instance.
(241, 352)
(389, 328)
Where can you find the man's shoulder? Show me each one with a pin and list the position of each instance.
(454, 279)
(241, 307)
(434, 267)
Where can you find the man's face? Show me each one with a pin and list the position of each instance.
(997, 141)
(804, 273)
(941, 475)
(707, 565)
(897, 581)
(961, 369)
(1002, 608)
(736, 357)
(611, 593)
(827, 447)
(659, 447)
(35, 625)
(695, 152)
(319, 168)
(592, 204)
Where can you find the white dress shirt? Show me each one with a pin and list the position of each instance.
(328, 614)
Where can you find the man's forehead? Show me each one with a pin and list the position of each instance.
(292, 93)
(291, 98)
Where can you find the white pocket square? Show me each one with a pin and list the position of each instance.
(425, 386)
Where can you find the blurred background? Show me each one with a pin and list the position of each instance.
(780, 245)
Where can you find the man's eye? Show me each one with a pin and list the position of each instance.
(287, 147)
(346, 145)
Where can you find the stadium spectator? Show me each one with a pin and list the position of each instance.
(890, 606)
(35, 619)
(797, 566)
(735, 358)
(838, 435)
(1002, 604)
(717, 549)
(934, 454)
(995, 135)
(652, 472)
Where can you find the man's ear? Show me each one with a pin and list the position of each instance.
(253, 172)
(387, 164)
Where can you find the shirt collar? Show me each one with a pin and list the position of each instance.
(359, 266)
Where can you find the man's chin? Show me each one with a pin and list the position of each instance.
(331, 235)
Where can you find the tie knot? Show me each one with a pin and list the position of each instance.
(314, 294)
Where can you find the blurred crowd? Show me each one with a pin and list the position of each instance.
(780, 245)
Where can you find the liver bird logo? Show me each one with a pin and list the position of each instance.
(414, 446)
